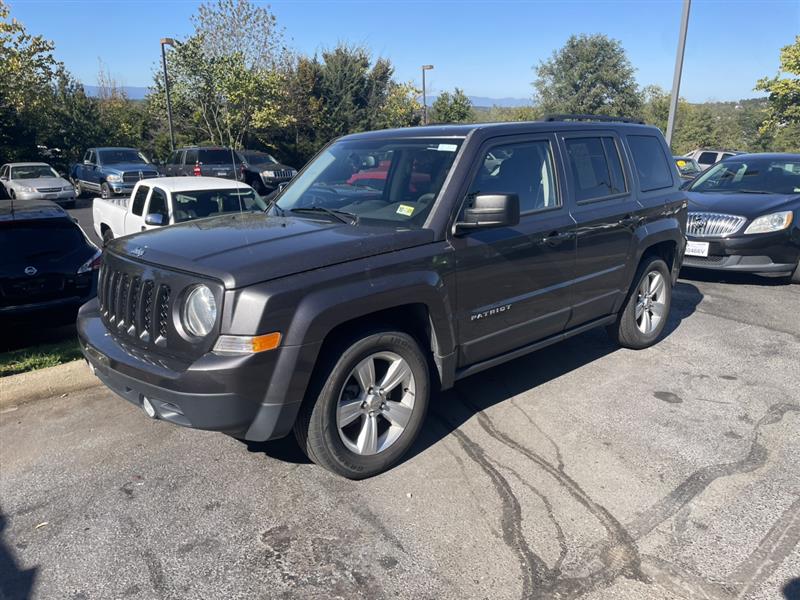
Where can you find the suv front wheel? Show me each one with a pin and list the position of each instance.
(641, 321)
(367, 406)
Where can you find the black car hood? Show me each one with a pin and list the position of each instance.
(247, 248)
(745, 205)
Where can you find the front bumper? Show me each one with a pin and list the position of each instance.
(121, 188)
(255, 397)
(768, 253)
(272, 183)
(65, 196)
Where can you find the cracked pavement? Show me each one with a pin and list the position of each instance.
(579, 471)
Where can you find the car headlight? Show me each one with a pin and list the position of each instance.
(112, 178)
(25, 189)
(268, 173)
(774, 222)
(199, 311)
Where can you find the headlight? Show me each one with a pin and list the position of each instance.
(199, 311)
(112, 178)
(68, 188)
(25, 189)
(268, 173)
(774, 222)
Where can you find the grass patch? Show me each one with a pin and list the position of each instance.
(38, 357)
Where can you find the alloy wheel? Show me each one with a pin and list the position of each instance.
(650, 302)
(376, 403)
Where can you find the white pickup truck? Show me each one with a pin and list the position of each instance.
(166, 200)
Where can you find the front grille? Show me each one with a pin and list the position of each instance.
(48, 190)
(704, 260)
(134, 176)
(128, 303)
(708, 224)
(282, 174)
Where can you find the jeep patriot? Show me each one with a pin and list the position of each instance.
(338, 311)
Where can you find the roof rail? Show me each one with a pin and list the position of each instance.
(578, 117)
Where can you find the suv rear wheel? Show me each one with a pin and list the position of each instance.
(367, 406)
(641, 321)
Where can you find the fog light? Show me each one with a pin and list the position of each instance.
(148, 407)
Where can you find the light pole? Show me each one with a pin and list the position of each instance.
(676, 78)
(424, 95)
(168, 42)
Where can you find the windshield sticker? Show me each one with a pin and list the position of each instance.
(405, 209)
(447, 147)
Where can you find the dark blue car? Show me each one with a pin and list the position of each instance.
(744, 215)
(110, 171)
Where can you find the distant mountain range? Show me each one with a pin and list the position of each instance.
(139, 92)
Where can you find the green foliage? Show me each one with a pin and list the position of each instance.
(784, 92)
(451, 108)
(590, 74)
(38, 357)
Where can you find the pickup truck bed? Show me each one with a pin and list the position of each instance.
(109, 214)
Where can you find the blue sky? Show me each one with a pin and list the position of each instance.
(486, 47)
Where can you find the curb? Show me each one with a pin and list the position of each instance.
(45, 383)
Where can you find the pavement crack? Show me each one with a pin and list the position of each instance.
(534, 571)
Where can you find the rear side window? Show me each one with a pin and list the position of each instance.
(707, 158)
(190, 157)
(138, 200)
(651, 164)
(595, 166)
(525, 169)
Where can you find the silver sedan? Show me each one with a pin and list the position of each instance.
(36, 181)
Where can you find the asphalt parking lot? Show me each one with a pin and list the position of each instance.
(580, 471)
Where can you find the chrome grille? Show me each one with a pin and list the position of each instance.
(282, 174)
(134, 176)
(708, 224)
(48, 190)
(134, 306)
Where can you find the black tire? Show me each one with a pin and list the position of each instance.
(316, 427)
(626, 329)
(105, 190)
(108, 235)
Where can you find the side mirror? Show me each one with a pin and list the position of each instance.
(86, 162)
(489, 210)
(155, 219)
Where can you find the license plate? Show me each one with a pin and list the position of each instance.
(222, 173)
(697, 248)
(50, 196)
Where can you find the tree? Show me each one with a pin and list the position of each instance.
(784, 92)
(452, 108)
(227, 79)
(590, 74)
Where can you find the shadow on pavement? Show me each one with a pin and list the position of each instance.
(26, 335)
(15, 583)
(731, 277)
(284, 449)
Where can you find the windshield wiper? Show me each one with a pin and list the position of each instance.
(753, 192)
(339, 215)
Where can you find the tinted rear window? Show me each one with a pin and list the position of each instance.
(215, 157)
(595, 166)
(707, 158)
(650, 162)
(40, 239)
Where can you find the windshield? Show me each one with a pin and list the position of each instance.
(32, 172)
(385, 182)
(121, 155)
(206, 203)
(259, 159)
(756, 175)
(687, 166)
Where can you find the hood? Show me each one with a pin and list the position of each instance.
(130, 167)
(745, 205)
(247, 248)
(42, 182)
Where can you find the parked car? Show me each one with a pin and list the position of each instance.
(263, 172)
(744, 215)
(110, 171)
(336, 313)
(204, 162)
(36, 181)
(688, 168)
(706, 158)
(48, 267)
(169, 200)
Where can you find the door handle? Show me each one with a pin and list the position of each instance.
(554, 238)
(144, 228)
(630, 220)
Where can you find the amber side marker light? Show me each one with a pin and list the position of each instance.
(246, 344)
